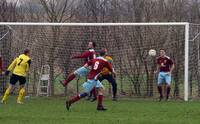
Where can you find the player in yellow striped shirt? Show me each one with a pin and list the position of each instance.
(19, 68)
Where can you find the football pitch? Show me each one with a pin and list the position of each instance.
(127, 111)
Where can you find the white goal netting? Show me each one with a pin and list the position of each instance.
(128, 45)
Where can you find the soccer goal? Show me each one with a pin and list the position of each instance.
(128, 43)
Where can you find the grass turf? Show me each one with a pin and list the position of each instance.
(139, 111)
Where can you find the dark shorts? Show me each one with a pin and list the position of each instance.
(14, 78)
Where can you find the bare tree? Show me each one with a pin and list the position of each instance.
(56, 12)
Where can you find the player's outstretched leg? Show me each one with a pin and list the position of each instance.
(75, 99)
(69, 78)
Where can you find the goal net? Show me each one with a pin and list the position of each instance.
(128, 43)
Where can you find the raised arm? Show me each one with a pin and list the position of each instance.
(83, 55)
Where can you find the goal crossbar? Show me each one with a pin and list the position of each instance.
(95, 24)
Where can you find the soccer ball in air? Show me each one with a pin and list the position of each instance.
(152, 52)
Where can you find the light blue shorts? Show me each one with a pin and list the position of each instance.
(164, 77)
(82, 71)
(90, 84)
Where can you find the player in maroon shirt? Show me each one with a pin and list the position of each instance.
(82, 71)
(165, 67)
(97, 66)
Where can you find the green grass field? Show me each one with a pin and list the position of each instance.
(140, 111)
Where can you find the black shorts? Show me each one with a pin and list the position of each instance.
(14, 78)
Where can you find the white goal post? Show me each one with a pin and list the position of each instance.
(185, 24)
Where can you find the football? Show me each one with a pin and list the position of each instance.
(152, 52)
